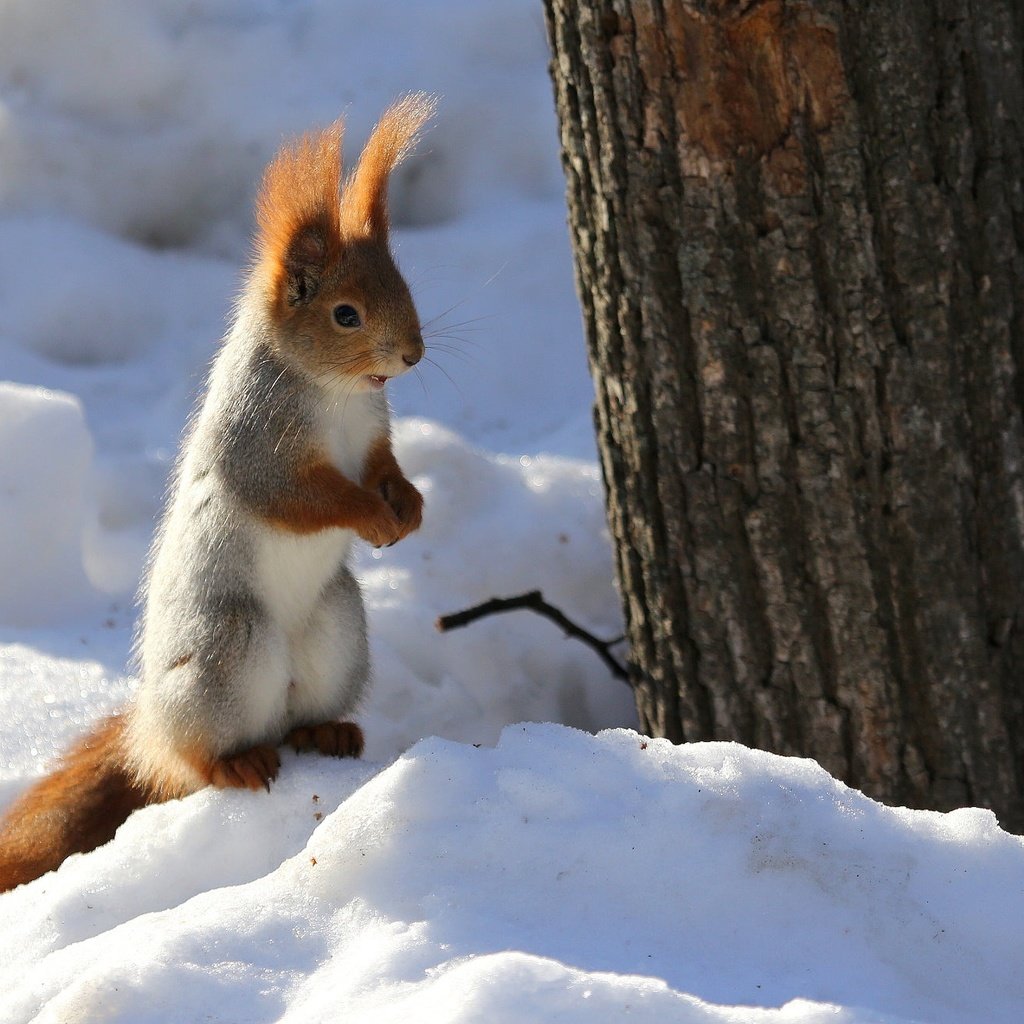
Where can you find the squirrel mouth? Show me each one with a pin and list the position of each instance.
(377, 381)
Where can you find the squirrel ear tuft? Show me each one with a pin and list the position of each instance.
(299, 227)
(364, 199)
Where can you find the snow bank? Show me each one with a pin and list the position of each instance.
(493, 525)
(153, 120)
(557, 876)
(45, 505)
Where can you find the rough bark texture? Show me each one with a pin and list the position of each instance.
(798, 231)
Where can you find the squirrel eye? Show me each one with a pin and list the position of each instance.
(347, 316)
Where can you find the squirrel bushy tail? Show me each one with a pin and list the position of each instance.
(76, 808)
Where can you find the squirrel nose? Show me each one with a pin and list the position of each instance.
(415, 353)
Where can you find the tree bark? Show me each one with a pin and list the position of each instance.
(798, 232)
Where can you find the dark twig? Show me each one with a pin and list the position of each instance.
(534, 601)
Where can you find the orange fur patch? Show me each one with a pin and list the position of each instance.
(323, 497)
(304, 214)
(380, 464)
(364, 206)
(298, 203)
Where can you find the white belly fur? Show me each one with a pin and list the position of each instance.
(294, 568)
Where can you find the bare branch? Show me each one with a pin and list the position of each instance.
(534, 601)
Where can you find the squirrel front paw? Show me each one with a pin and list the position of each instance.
(382, 528)
(406, 502)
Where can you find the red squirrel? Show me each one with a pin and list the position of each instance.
(253, 633)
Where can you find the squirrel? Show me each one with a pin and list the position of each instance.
(253, 632)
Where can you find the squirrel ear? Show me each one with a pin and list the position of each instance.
(364, 199)
(304, 263)
(298, 217)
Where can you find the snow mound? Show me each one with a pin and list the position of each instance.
(493, 526)
(141, 118)
(46, 456)
(558, 876)
(82, 299)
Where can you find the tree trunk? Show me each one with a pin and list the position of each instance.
(798, 233)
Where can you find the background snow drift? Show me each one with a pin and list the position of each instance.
(555, 876)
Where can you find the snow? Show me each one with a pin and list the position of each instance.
(556, 876)
(470, 868)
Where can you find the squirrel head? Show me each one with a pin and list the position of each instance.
(338, 303)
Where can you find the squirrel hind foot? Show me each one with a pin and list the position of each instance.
(254, 768)
(334, 739)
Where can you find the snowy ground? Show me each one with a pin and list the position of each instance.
(554, 876)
